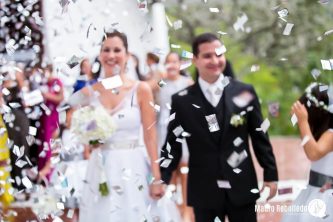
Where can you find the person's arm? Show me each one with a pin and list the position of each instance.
(314, 150)
(262, 147)
(171, 148)
(148, 118)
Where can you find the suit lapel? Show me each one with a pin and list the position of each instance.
(228, 107)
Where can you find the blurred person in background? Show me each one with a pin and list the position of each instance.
(5, 196)
(16, 120)
(86, 76)
(173, 83)
(49, 122)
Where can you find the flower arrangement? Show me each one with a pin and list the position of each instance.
(92, 124)
(237, 120)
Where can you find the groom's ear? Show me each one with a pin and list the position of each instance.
(194, 60)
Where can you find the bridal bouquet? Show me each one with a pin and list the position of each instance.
(92, 125)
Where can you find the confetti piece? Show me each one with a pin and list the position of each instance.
(184, 170)
(235, 159)
(26, 182)
(186, 54)
(5, 91)
(196, 106)
(165, 163)
(175, 46)
(255, 190)
(33, 98)
(243, 99)
(294, 119)
(239, 24)
(217, 219)
(32, 130)
(214, 10)
(70, 213)
(223, 184)
(183, 93)
(283, 13)
(287, 29)
(20, 163)
(178, 130)
(221, 50)
(178, 24)
(264, 126)
(237, 170)
(255, 68)
(112, 82)
(168, 106)
(326, 64)
(222, 33)
(159, 160)
(161, 83)
(172, 117)
(315, 73)
(213, 125)
(323, 88)
(305, 140)
(169, 21)
(185, 64)
(238, 141)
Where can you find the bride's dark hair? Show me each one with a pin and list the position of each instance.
(317, 104)
(118, 34)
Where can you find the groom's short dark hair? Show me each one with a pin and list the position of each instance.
(200, 39)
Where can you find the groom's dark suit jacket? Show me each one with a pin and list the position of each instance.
(209, 151)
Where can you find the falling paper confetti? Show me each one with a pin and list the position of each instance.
(112, 82)
(327, 64)
(294, 119)
(305, 140)
(264, 126)
(213, 125)
(239, 24)
(178, 130)
(243, 99)
(178, 24)
(186, 54)
(214, 10)
(223, 184)
(165, 163)
(221, 50)
(235, 159)
(238, 141)
(287, 29)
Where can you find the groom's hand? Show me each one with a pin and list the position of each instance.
(157, 190)
(272, 189)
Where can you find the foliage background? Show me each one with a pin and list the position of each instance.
(285, 61)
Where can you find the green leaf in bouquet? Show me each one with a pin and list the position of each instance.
(104, 189)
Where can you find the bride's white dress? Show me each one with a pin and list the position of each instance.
(313, 193)
(127, 170)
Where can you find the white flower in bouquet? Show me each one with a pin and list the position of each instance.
(92, 124)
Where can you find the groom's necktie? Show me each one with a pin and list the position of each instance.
(214, 95)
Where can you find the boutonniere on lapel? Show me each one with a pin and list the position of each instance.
(237, 120)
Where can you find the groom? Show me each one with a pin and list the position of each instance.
(216, 116)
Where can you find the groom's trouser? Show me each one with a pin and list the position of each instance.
(244, 213)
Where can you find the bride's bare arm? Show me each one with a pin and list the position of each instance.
(314, 150)
(148, 118)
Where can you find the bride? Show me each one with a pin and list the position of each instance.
(315, 123)
(133, 177)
